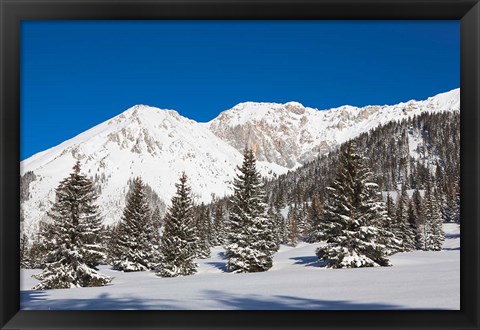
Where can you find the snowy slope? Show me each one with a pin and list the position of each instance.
(290, 134)
(417, 280)
(159, 144)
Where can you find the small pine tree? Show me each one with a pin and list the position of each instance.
(282, 226)
(179, 241)
(251, 241)
(24, 252)
(412, 222)
(391, 211)
(41, 243)
(293, 231)
(75, 246)
(157, 220)
(419, 219)
(432, 227)
(218, 230)
(203, 227)
(302, 220)
(315, 220)
(403, 229)
(276, 222)
(135, 239)
(353, 217)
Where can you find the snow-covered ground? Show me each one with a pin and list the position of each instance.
(417, 280)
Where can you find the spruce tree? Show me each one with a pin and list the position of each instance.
(315, 220)
(354, 214)
(403, 230)
(24, 252)
(74, 233)
(251, 241)
(433, 235)
(42, 242)
(218, 230)
(179, 241)
(276, 224)
(203, 227)
(390, 204)
(412, 222)
(157, 220)
(135, 239)
(293, 231)
(419, 219)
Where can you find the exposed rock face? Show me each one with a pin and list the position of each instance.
(290, 134)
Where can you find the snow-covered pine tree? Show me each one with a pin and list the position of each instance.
(354, 214)
(151, 242)
(276, 223)
(412, 221)
(282, 226)
(74, 233)
(390, 204)
(403, 230)
(135, 239)
(419, 219)
(41, 243)
(203, 227)
(293, 232)
(388, 232)
(157, 220)
(24, 252)
(218, 230)
(433, 235)
(315, 220)
(251, 240)
(179, 241)
(302, 221)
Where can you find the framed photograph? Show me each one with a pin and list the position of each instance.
(239, 164)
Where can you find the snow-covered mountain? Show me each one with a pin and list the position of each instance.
(142, 141)
(290, 134)
(159, 144)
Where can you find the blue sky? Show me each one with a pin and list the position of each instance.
(76, 74)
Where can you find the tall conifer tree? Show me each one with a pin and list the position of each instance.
(204, 231)
(293, 231)
(179, 240)
(75, 236)
(315, 218)
(251, 240)
(403, 230)
(354, 215)
(433, 235)
(136, 237)
(218, 230)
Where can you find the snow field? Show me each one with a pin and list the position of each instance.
(417, 280)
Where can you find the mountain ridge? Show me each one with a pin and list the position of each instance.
(159, 144)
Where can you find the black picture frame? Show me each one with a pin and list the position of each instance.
(12, 12)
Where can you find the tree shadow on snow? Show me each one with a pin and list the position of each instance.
(32, 296)
(39, 300)
(452, 236)
(282, 302)
(220, 265)
(221, 254)
(309, 261)
(451, 249)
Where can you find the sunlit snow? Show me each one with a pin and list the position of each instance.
(417, 280)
